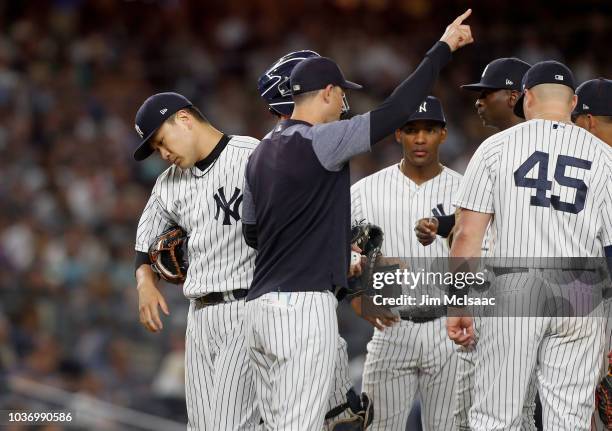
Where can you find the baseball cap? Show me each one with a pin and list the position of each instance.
(316, 73)
(500, 74)
(429, 110)
(594, 97)
(151, 115)
(544, 72)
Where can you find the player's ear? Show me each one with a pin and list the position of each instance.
(327, 93)
(398, 136)
(183, 117)
(591, 123)
(528, 100)
(514, 95)
(574, 102)
(443, 134)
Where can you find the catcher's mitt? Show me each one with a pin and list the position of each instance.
(369, 238)
(603, 397)
(168, 255)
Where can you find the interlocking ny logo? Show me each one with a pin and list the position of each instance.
(230, 209)
(423, 107)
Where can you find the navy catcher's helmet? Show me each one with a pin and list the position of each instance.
(273, 85)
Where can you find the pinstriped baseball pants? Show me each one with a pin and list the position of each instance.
(219, 387)
(566, 354)
(292, 344)
(409, 359)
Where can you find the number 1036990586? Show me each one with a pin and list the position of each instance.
(9, 417)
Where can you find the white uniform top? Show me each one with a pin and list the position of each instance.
(549, 187)
(393, 201)
(207, 205)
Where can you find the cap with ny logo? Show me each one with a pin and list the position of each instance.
(151, 115)
(429, 110)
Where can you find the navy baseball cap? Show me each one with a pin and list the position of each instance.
(429, 110)
(501, 74)
(594, 97)
(544, 72)
(151, 115)
(316, 73)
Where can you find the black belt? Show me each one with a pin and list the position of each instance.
(215, 298)
(503, 270)
(430, 317)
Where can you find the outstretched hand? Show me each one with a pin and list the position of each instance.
(458, 34)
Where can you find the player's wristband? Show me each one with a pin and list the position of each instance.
(446, 223)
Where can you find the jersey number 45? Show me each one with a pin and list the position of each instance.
(542, 185)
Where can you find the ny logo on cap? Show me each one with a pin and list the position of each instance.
(484, 71)
(508, 82)
(585, 106)
(423, 107)
(138, 131)
(559, 77)
(163, 111)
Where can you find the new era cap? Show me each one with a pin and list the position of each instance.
(594, 97)
(544, 72)
(316, 73)
(503, 73)
(429, 110)
(151, 115)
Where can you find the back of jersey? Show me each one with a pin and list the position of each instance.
(549, 186)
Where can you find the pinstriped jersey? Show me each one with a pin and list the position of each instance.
(393, 201)
(548, 185)
(207, 205)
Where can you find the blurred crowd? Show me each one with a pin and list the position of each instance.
(72, 74)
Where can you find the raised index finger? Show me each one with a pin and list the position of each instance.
(462, 17)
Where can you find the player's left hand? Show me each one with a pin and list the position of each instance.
(378, 316)
(460, 330)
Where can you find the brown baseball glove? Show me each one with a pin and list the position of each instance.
(168, 254)
(603, 396)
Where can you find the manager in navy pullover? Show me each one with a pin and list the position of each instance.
(296, 207)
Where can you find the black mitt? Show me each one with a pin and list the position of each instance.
(168, 255)
(603, 397)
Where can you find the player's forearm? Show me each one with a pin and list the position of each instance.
(467, 242)
(397, 108)
(145, 275)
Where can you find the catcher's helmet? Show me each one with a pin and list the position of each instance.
(273, 85)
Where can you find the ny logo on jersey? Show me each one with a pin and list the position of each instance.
(438, 210)
(230, 209)
(423, 107)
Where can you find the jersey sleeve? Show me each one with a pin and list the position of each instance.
(476, 189)
(336, 142)
(153, 221)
